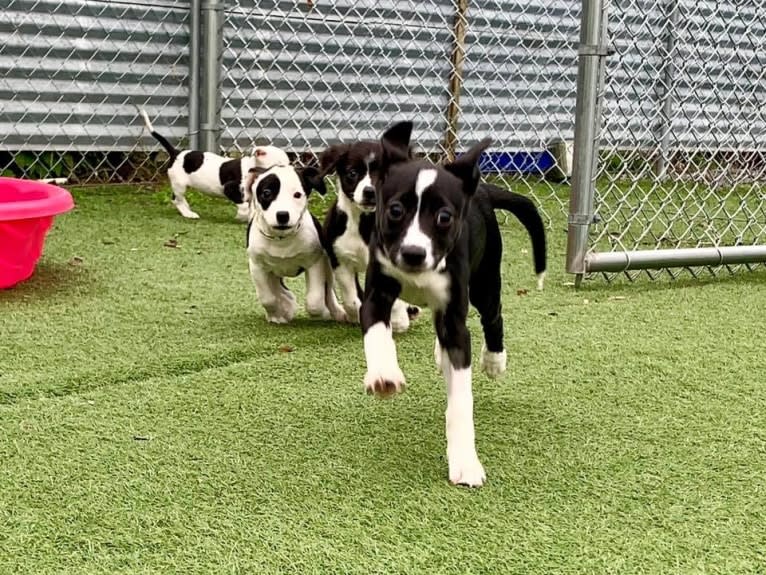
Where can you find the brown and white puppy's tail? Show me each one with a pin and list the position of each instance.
(526, 212)
(169, 148)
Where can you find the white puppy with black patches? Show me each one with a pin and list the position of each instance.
(284, 240)
(210, 173)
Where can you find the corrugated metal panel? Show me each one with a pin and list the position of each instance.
(72, 71)
(342, 70)
(717, 76)
(520, 72)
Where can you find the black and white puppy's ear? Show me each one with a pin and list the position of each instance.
(466, 167)
(331, 156)
(396, 144)
(312, 179)
(233, 191)
(239, 194)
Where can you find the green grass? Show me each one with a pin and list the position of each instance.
(151, 421)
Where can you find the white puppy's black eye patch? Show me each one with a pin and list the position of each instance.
(267, 190)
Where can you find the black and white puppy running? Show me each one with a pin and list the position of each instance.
(284, 240)
(209, 173)
(436, 243)
(349, 223)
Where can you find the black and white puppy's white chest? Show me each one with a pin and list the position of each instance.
(286, 256)
(351, 245)
(430, 288)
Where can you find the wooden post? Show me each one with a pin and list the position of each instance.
(455, 79)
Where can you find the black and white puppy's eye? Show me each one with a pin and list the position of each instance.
(395, 211)
(351, 174)
(444, 218)
(298, 195)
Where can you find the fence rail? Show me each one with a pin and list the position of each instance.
(664, 100)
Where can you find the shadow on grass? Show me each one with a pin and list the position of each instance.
(49, 279)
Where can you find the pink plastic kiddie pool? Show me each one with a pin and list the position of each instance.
(27, 210)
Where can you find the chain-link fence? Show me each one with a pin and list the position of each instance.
(305, 75)
(71, 75)
(682, 148)
(668, 125)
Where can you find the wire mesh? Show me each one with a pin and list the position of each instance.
(681, 162)
(305, 75)
(71, 75)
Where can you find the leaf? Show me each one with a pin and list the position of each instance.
(76, 261)
(522, 291)
(286, 348)
(171, 243)
(617, 297)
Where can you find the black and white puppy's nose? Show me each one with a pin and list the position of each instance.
(368, 194)
(413, 256)
(283, 217)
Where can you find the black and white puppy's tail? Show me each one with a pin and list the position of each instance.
(169, 148)
(526, 212)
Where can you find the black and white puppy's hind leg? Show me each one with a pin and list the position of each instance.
(178, 187)
(485, 296)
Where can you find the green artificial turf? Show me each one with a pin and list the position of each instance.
(151, 421)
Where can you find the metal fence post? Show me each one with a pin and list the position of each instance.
(587, 121)
(212, 20)
(194, 53)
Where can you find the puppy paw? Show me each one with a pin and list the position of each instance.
(400, 321)
(352, 311)
(465, 468)
(339, 315)
(385, 382)
(288, 307)
(318, 311)
(493, 363)
(190, 215)
(277, 319)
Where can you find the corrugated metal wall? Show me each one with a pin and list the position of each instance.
(520, 72)
(72, 71)
(341, 70)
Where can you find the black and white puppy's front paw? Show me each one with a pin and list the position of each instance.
(384, 382)
(465, 467)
